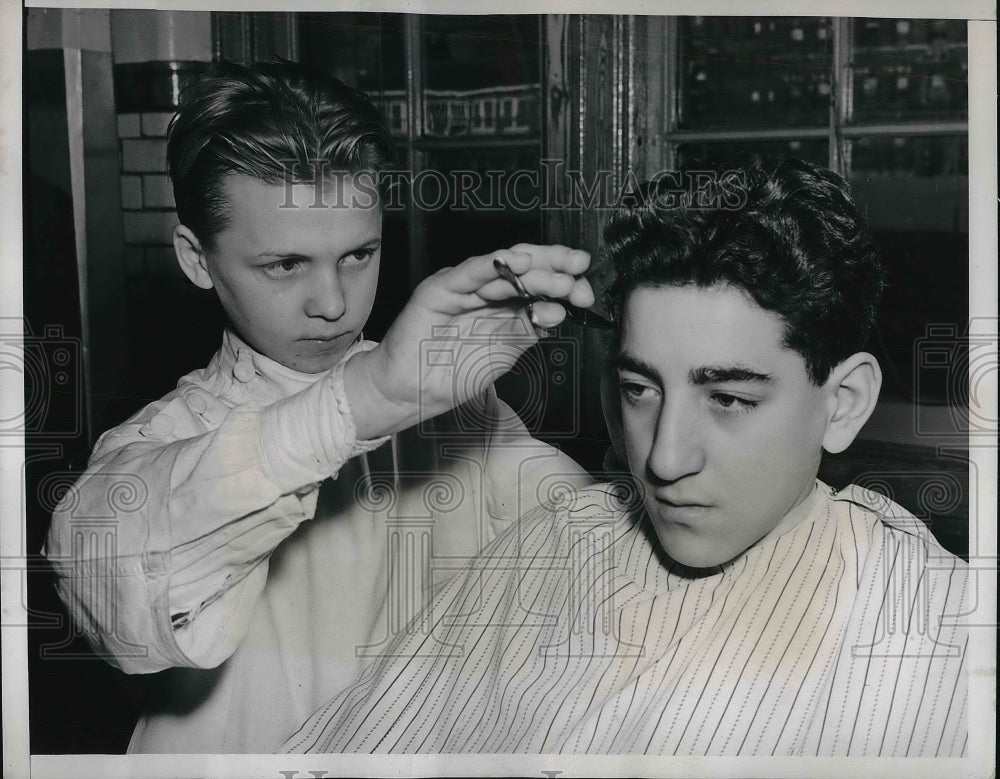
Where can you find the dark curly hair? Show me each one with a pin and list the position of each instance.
(791, 237)
(275, 122)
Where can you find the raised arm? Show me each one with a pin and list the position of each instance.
(218, 485)
(178, 567)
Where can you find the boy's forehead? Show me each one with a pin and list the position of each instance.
(714, 325)
(268, 218)
(335, 190)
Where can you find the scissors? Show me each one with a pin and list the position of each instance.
(581, 316)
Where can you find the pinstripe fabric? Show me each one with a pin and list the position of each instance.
(573, 633)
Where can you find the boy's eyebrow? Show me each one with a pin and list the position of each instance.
(728, 373)
(709, 374)
(629, 362)
(277, 254)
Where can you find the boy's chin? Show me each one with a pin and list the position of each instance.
(685, 547)
(317, 360)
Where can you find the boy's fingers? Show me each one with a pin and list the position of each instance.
(556, 257)
(556, 286)
(546, 314)
(582, 294)
(559, 286)
(549, 283)
(476, 272)
(535, 282)
(476, 282)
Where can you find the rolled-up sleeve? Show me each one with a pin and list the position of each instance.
(161, 547)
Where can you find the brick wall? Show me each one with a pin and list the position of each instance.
(153, 51)
(173, 327)
(147, 197)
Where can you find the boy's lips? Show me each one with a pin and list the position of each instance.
(327, 345)
(672, 499)
(681, 509)
(323, 338)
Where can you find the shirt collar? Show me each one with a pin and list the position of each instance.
(263, 376)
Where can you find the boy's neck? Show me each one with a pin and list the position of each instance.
(795, 515)
(286, 381)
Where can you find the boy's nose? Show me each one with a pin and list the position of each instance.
(678, 449)
(326, 296)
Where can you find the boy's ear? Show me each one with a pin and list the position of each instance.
(191, 258)
(853, 392)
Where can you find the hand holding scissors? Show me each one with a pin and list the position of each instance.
(581, 316)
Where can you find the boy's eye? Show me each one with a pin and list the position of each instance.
(282, 268)
(358, 256)
(634, 392)
(733, 404)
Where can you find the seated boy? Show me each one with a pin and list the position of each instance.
(277, 534)
(727, 603)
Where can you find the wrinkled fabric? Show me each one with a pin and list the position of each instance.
(575, 633)
(238, 539)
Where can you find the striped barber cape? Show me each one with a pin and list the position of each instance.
(574, 633)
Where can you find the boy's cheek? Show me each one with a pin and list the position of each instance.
(636, 451)
(367, 304)
(366, 287)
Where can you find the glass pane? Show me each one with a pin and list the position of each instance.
(477, 200)
(717, 156)
(363, 49)
(910, 69)
(453, 236)
(482, 76)
(755, 71)
(913, 183)
(915, 194)
(395, 109)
